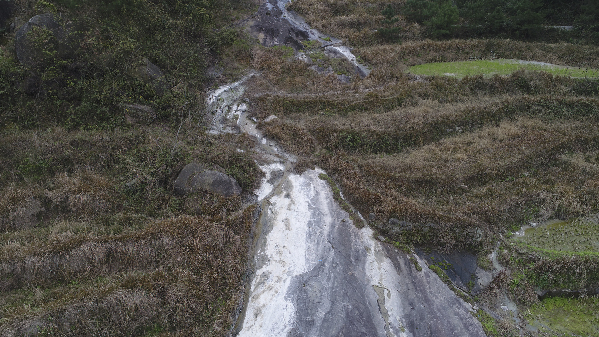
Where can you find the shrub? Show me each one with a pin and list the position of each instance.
(438, 16)
(390, 32)
(498, 17)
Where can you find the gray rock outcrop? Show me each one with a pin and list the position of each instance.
(151, 74)
(41, 36)
(272, 28)
(139, 113)
(194, 178)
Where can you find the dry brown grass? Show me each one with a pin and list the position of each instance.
(489, 179)
(178, 274)
(463, 159)
(282, 72)
(95, 242)
(353, 21)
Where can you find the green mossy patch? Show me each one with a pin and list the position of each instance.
(488, 322)
(489, 68)
(341, 201)
(572, 236)
(558, 255)
(566, 316)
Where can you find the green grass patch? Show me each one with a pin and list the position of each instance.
(566, 316)
(497, 67)
(577, 236)
(558, 255)
(487, 322)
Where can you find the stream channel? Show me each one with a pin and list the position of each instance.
(314, 273)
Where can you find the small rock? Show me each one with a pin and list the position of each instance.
(344, 78)
(333, 52)
(404, 225)
(216, 182)
(151, 74)
(478, 235)
(270, 118)
(32, 84)
(371, 217)
(394, 222)
(26, 215)
(305, 58)
(139, 113)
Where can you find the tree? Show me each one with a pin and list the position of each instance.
(390, 32)
(589, 19)
(442, 23)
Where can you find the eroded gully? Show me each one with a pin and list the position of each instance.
(314, 272)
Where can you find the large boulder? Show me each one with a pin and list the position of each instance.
(42, 38)
(272, 27)
(151, 74)
(6, 9)
(194, 178)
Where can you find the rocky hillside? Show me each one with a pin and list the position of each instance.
(99, 113)
(120, 215)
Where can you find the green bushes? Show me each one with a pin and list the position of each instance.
(566, 316)
(438, 16)
(520, 19)
(88, 88)
(390, 32)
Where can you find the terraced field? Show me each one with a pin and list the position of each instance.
(490, 68)
(461, 161)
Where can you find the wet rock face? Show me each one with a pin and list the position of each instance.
(316, 274)
(194, 178)
(272, 28)
(41, 36)
(461, 268)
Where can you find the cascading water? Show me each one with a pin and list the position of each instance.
(315, 273)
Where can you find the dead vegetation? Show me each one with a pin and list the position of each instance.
(465, 159)
(445, 163)
(94, 241)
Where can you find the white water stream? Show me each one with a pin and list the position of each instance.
(315, 273)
